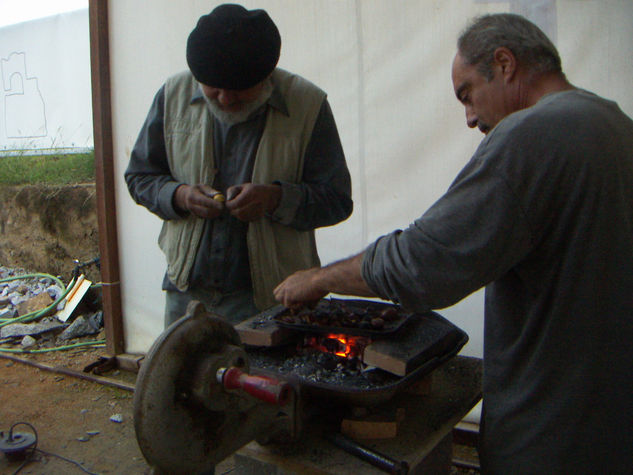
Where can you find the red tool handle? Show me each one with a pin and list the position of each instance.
(261, 387)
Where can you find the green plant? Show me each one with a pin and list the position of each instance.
(55, 169)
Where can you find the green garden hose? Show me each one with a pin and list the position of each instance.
(38, 313)
(95, 343)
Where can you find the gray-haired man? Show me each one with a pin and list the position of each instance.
(542, 215)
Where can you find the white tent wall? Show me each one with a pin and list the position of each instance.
(45, 100)
(385, 65)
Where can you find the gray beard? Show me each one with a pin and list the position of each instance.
(232, 118)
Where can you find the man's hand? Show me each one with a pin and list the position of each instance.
(301, 288)
(198, 200)
(248, 202)
(307, 286)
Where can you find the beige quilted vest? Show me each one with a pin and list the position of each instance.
(275, 250)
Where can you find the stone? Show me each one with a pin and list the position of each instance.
(96, 321)
(34, 304)
(28, 341)
(79, 327)
(17, 298)
(8, 312)
(23, 329)
(55, 292)
(118, 418)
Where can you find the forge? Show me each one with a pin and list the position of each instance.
(285, 381)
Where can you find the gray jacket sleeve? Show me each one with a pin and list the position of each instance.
(148, 177)
(324, 197)
(471, 235)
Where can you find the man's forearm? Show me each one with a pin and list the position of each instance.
(306, 286)
(344, 277)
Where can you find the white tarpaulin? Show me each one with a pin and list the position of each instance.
(45, 100)
(385, 65)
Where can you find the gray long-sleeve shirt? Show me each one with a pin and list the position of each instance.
(543, 215)
(323, 197)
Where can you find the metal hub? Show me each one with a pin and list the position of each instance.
(185, 420)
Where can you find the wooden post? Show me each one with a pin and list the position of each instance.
(104, 174)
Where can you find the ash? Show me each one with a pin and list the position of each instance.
(314, 366)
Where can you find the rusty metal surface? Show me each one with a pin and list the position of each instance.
(185, 421)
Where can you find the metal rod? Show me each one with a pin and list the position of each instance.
(378, 460)
(71, 372)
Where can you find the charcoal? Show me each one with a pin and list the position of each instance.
(345, 374)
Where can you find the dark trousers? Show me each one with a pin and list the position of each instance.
(234, 307)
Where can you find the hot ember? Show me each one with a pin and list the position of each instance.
(345, 346)
(314, 365)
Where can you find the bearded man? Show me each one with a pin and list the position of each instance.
(242, 161)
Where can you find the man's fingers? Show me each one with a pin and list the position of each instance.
(282, 295)
(298, 290)
(249, 212)
(233, 191)
(203, 205)
(206, 189)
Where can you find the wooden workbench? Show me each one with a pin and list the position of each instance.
(424, 439)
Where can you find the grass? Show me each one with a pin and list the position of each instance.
(60, 169)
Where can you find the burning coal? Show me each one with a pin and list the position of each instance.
(332, 360)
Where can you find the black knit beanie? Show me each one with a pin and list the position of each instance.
(233, 48)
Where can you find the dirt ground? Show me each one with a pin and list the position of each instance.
(47, 228)
(70, 415)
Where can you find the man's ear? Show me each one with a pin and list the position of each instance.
(506, 61)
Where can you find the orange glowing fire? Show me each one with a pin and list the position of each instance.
(345, 346)
(347, 343)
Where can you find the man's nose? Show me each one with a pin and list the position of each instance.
(471, 118)
(226, 97)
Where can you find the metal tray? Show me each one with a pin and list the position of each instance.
(443, 342)
(337, 305)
